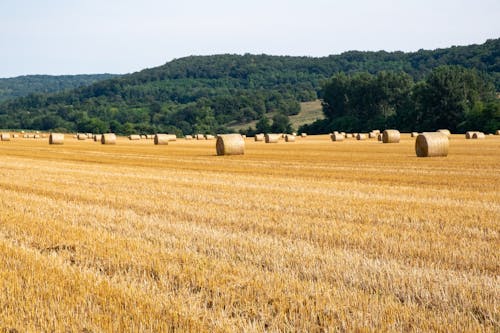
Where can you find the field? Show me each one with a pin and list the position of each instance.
(308, 236)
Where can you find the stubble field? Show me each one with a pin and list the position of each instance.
(307, 236)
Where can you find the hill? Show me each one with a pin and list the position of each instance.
(209, 93)
(45, 84)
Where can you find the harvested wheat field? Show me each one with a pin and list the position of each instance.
(311, 236)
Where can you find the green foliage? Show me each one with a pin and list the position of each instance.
(209, 93)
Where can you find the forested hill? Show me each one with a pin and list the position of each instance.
(45, 84)
(208, 93)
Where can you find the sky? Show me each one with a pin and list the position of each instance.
(122, 36)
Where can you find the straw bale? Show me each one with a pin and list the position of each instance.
(432, 144)
(230, 144)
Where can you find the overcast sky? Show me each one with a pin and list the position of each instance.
(123, 36)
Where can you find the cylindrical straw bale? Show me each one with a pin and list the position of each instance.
(56, 139)
(372, 135)
(497, 132)
(289, 138)
(143, 136)
(377, 132)
(108, 139)
(468, 134)
(81, 136)
(230, 144)
(209, 137)
(414, 134)
(478, 135)
(391, 136)
(97, 137)
(303, 135)
(134, 137)
(259, 137)
(36, 136)
(90, 135)
(337, 137)
(200, 137)
(445, 131)
(360, 136)
(188, 137)
(161, 139)
(15, 136)
(272, 138)
(5, 136)
(432, 144)
(172, 137)
(294, 133)
(379, 137)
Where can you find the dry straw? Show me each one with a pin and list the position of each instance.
(97, 137)
(272, 138)
(445, 131)
(134, 137)
(230, 144)
(432, 144)
(108, 139)
(161, 139)
(188, 137)
(337, 137)
(372, 135)
(200, 137)
(360, 136)
(391, 136)
(259, 137)
(289, 138)
(5, 137)
(81, 136)
(56, 139)
(377, 132)
(478, 135)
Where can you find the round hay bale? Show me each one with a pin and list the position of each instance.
(134, 137)
(289, 138)
(432, 144)
(143, 136)
(272, 138)
(391, 136)
(468, 134)
(5, 136)
(259, 137)
(303, 135)
(243, 136)
(337, 137)
(336, 132)
(36, 136)
(379, 137)
(188, 137)
(445, 131)
(294, 133)
(172, 137)
(200, 137)
(230, 144)
(372, 135)
(360, 136)
(56, 139)
(478, 135)
(161, 139)
(15, 136)
(497, 132)
(209, 137)
(108, 139)
(81, 136)
(414, 134)
(97, 137)
(377, 132)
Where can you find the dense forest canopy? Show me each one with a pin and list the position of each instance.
(45, 84)
(209, 93)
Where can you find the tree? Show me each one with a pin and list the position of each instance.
(281, 124)
(263, 125)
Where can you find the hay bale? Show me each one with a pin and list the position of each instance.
(56, 139)
(377, 132)
(81, 136)
(209, 137)
(303, 135)
(108, 139)
(379, 137)
(97, 137)
(272, 138)
(188, 137)
(294, 133)
(172, 137)
(432, 144)
(391, 136)
(36, 136)
(5, 137)
(478, 135)
(200, 137)
(289, 138)
(90, 135)
(360, 136)
(230, 144)
(134, 137)
(259, 137)
(414, 134)
(26, 136)
(161, 139)
(468, 134)
(497, 132)
(372, 135)
(445, 131)
(15, 136)
(337, 137)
